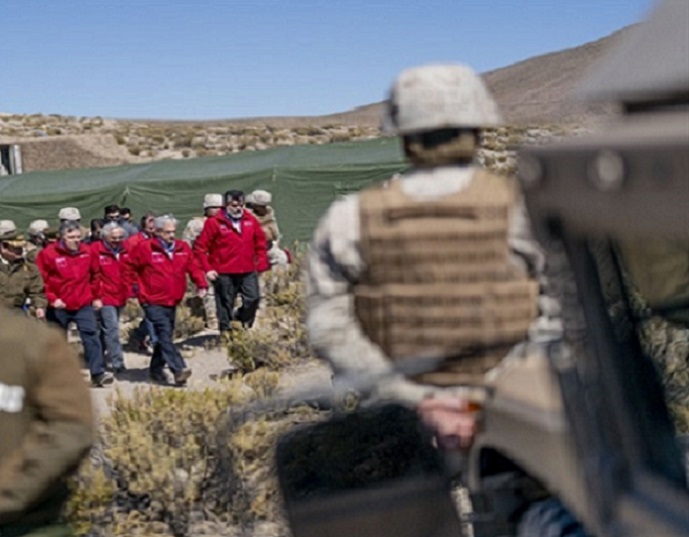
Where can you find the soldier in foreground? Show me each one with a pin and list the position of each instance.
(46, 424)
(428, 280)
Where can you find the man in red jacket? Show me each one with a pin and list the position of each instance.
(66, 270)
(232, 250)
(110, 290)
(160, 266)
(145, 333)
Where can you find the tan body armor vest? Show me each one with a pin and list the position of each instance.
(439, 283)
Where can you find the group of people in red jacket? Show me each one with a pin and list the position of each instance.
(86, 281)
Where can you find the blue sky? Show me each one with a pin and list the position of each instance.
(207, 59)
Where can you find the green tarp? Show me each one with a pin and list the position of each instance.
(304, 180)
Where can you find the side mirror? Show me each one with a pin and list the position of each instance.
(371, 473)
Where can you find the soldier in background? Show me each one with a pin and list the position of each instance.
(21, 285)
(265, 214)
(212, 204)
(428, 280)
(46, 424)
(38, 235)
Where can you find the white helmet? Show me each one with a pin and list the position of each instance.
(439, 96)
(212, 200)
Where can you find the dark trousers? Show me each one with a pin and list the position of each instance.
(164, 352)
(227, 287)
(87, 324)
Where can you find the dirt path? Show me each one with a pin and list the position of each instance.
(207, 362)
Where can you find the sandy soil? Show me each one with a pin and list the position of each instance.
(208, 363)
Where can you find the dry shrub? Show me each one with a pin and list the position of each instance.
(279, 337)
(176, 462)
(188, 321)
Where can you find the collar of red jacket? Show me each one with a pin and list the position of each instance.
(60, 247)
(103, 248)
(156, 245)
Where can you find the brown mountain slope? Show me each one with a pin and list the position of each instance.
(539, 90)
(536, 90)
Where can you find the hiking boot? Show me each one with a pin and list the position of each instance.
(158, 377)
(182, 376)
(99, 381)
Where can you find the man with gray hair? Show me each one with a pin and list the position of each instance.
(161, 266)
(110, 289)
(66, 270)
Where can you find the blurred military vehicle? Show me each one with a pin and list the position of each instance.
(584, 436)
(587, 426)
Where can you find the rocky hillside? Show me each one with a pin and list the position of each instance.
(536, 91)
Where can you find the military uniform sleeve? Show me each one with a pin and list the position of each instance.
(35, 289)
(59, 436)
(261, 249)
(334, 266)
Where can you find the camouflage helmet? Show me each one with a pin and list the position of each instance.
(439, 96)
(69, 213)
(212, 201)
(10, 234)
(261, 197)
(37, 227)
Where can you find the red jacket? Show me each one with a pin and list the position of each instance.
(162, 279)
(222, 248)
(108, 282)
(66, 275)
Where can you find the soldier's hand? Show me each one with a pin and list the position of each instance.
(40, 313)
(452, 419)
(211, 275)
(97, 304)
(201, 293)
(59, 304)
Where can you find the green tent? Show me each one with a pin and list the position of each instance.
(304, 180)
